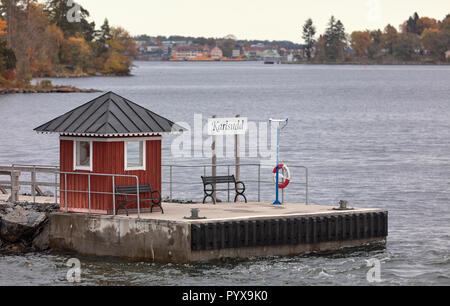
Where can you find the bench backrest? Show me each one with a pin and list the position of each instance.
(133, 189)
(218, 179)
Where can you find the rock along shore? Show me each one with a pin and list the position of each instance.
(24, 227)
(54, 89)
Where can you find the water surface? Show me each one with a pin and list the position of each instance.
(377, 136)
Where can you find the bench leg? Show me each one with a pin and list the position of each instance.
(157, 205)
(122, 206)
(125, 205)
(209, 196)
(237, 196)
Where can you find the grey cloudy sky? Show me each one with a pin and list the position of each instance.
(255, 19)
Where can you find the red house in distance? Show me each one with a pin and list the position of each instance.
(108, 135)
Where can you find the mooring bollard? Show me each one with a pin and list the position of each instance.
(343, 206)
(195, 215)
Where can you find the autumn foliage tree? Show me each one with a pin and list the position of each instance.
(121, 47)
(425, 23)
(360, 42)
(435, 43)
(419, 39)
(436, 40)
(375, 45)
(76, 54)
(390, 36)
(406, 46)
(3, 27)
(45, 43)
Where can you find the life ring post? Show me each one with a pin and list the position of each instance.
(281, 125)
(286, 176)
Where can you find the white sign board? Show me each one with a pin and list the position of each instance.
(227, 126)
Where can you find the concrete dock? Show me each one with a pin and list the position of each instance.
(230, 230)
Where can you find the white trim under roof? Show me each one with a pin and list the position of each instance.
(113, 135)
(122, 139)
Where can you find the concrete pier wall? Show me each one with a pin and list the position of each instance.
(193, 241)
(283, 250)
(137, 239)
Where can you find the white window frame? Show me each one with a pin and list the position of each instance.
(91, 152)
(144, 156)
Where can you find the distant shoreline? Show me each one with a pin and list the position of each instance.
(53, 89)
(372, 63)
(312, 63)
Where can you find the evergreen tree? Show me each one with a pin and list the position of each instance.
(58, 10)
(103, 36)
(7, 58)
(309, 31)
(411, 24)
(335, 39)
(105, 32)
(227, 47)
(390, 36)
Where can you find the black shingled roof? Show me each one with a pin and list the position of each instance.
(110, 115)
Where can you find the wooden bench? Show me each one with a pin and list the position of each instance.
(209, 188)
(155, 196)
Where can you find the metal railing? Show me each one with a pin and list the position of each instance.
(171, 182)
(90, 192)
(34, 183)
(16, 170)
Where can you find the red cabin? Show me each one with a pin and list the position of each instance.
(108, 136)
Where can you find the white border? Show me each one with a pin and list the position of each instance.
(144, 157)
(113, 135)
(119, 139)
(91, 155)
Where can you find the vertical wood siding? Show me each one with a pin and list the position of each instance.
(108, 158)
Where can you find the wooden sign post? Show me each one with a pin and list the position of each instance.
(237, 153)
(214, 161)
(226, 126)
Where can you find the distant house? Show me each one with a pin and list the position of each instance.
(167, 46)
(236, 53)
(301, 52)
(254, 53)
(152, 49)
(447, 54)
(258, 45)
(271, 56)
(288, 58)
(168, 43)
(141, 43)
(216, 53)
(189, 52)
(182, 43)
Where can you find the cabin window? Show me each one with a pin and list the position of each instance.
(83, 155)
(135, 155)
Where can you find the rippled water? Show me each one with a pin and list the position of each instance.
(377, 136)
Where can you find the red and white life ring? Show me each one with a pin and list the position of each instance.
(284, 176)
